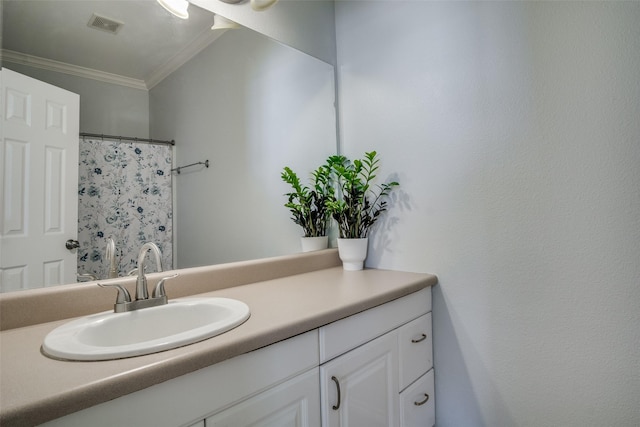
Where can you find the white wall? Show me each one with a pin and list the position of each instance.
(514, 130)
(250, 106)
(104, 108)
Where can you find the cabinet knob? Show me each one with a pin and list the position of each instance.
(422, 402)
(422, 338)
(336, 406)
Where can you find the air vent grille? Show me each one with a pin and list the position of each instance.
(104, 24)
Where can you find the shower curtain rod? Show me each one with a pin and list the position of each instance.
(128, 138)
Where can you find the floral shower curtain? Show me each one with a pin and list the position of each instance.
(124, 192)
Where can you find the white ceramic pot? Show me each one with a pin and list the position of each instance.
(310, 244)
(353, 252)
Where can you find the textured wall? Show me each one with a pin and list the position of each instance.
(514, 130)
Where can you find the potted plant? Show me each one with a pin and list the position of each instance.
(359, 207)
(308, 206)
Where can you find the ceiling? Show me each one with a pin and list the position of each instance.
(150, 45)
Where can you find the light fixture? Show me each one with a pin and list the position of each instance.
(176, 7)
(260, 5)
(222, 23)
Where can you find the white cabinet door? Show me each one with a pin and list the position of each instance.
(295, 403)
(360, 388)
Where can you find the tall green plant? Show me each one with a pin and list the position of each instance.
(361, 203)
(308, 206)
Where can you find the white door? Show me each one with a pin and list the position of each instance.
(38, 183)
(360, 388)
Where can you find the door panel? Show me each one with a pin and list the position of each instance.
(295, 403)
(360, 388)
(14, 200)
(38, 183)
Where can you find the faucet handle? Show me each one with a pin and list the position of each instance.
(123, 294)
(158, 291)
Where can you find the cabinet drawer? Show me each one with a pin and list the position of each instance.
(416, 349)
(417, 403)
(343, 335)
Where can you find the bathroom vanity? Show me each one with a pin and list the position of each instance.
(323, 346)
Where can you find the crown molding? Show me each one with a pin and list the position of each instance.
(74, 70)
(203, 40)
(196, 46)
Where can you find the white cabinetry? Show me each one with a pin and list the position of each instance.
(416, 352)
(388, 380)
(360, 388)
(295, 403)
(190, 398)
(417, 404)
(370, 369)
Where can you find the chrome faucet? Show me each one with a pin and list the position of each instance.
(111, 258)
(159, 297)
(142, 292)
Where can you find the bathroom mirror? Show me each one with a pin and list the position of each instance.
(246, 103)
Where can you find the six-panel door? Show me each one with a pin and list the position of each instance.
(38, 183)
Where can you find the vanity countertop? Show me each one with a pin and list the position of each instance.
(35, 388)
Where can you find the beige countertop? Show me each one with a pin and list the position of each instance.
(35, 388)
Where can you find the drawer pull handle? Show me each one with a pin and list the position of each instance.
(426, 399)
(335, 380)
(422, 338)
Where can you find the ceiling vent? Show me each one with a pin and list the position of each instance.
(104, 24)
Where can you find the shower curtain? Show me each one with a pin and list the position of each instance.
(124, 192)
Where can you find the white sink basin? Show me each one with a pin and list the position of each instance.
(110, 335)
